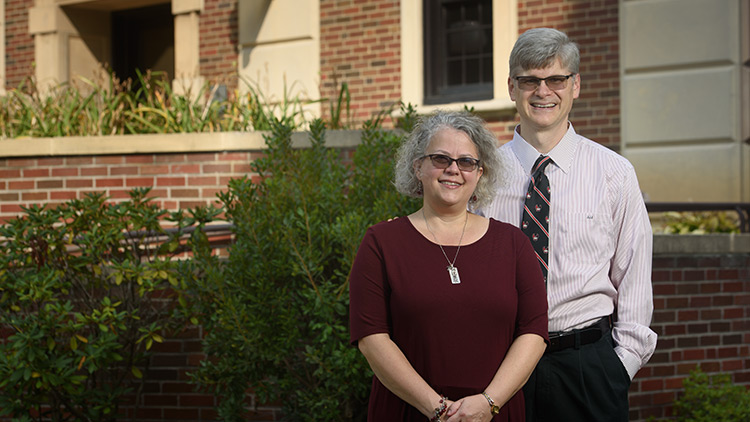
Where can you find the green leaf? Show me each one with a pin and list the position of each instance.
(136, 372)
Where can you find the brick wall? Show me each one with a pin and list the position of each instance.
(218, 42)
(361, 46)
(169, 395)
(19, 45)
(179, 180)
(702, 317)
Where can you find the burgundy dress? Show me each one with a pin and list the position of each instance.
(454, 335)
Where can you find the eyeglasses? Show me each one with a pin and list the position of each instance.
(554, 82)
(441, 161)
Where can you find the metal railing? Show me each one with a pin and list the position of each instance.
(741, 208)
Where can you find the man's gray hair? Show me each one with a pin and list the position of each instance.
(538, 48)
(416, 144)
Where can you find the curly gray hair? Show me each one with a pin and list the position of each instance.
(537, 48)
(415, 146)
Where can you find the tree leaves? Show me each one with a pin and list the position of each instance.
(275, 312)
(84, 297)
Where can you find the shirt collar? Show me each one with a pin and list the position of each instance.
(562, 154)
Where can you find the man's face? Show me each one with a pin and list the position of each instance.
(543, 109)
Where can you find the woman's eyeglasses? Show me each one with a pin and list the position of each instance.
(441, 161)
(554, 82)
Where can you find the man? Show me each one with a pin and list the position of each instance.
(594, 245)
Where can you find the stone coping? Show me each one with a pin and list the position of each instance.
(161, 143)
(710, 244)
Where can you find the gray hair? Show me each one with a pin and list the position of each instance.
(415, 146)
(538, 48)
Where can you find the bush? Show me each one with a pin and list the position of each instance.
(712, 399)
(108, 106)
(84, 294)
(276, 312)
(701, 222)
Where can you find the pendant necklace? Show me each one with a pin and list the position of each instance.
(452, 271)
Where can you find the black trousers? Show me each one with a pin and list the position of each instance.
(582, 384)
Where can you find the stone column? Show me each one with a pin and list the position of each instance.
(187, 78)
(50, 28)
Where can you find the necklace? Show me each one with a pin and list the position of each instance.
(452, 270)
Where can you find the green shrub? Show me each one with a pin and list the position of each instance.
(84, 294)
(712, 399)
(701, 222)
(108, 106)
(276, 312)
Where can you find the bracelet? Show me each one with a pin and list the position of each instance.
(494, 409)
(440, 410)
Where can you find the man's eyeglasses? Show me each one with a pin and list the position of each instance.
(554, 82)
(441, 161)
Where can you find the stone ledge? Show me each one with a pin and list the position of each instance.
(161, 143)
(701, 244)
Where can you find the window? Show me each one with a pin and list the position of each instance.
(455, 53)
(458, 63)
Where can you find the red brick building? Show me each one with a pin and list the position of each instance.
(637, 57)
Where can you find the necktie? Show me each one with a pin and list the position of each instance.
(535, 218)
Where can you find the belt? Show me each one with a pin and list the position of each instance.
(561, 340)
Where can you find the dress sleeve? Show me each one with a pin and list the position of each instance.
(532, 293)
(368, 291)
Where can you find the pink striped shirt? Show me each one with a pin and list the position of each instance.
(600, 239)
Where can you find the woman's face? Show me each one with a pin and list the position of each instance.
(451, 185)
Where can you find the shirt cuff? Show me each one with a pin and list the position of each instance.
(630, 361)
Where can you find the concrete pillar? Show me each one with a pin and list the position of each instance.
(50, 28)
(187, 79)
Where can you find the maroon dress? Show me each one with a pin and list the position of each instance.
(454, 335)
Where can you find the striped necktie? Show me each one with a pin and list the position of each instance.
(535, 218)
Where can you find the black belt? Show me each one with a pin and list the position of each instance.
(561, 340)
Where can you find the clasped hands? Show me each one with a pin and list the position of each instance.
(468, 409)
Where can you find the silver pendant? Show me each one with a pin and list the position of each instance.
(453, 272)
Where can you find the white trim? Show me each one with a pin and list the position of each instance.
(505, 32)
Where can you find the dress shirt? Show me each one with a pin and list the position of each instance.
(600, 239)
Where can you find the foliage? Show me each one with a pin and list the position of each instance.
(276, 312)
(712, 399)
(108, 106)
(84, 295)
(342, 103)
(701, 222)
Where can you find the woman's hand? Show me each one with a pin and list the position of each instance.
(469, 409)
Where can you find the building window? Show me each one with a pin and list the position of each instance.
(458, 51)
(454, 53)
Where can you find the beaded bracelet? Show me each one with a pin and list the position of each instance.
(440, 410)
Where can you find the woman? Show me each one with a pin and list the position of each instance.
(448, 307)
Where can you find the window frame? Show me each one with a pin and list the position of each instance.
(438, 89)
(504, 35)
